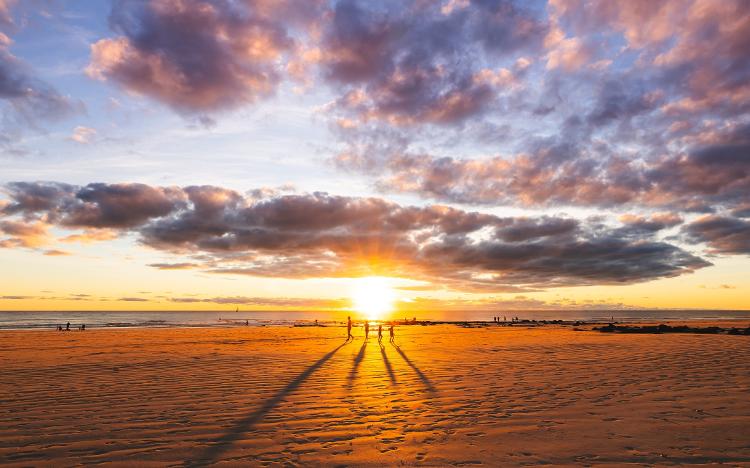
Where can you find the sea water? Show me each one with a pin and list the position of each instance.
(130, 319)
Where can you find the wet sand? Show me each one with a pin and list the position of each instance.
(446, 396)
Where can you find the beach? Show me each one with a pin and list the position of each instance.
(442, 396)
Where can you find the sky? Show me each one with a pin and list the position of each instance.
(470, 154)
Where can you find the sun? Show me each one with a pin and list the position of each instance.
(372, 297)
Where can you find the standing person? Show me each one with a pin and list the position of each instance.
(349, 329)
(67, 327)
(367, 329)
(380, 332)
(390, 330)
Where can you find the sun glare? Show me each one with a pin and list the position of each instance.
(373, 297)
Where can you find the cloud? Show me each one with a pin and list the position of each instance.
(569, 54)
(705, 57)
(133, 299)
(94, 205)
(174, 266)
(322, 235)
(424, 63)
(638, 225)
(707, 175)
(616, 108)
(723, 234)
(23, 234)
(56, 253)
(198, 56)
(25, 100)
(275, 302)
(5, 15)
(421, 63)
(721, 286)
(88, 236)
(83, 135)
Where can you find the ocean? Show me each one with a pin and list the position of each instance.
(114, 319)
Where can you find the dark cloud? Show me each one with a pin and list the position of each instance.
(525, 229)
(618, 101)
(716, 172)
(318, 235)
(197, 55)
(93, 205)
(31, 197)
(119, 205)
(723, 234)
(639, 226)
(422, 63)
(742, 211)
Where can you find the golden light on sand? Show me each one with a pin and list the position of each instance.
(372, 297)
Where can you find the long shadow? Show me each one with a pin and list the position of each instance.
(387, 364)
(416, 370)
(357, 361)
(213, 452)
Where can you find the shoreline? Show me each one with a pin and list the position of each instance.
(709, 322)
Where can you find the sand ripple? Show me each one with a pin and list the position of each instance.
(445, 396)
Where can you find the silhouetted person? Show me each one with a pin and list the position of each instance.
(83, 327)
(390, 330)
(380, 333)
(67, 327)
(367, 330)
(349, 329)
(247, 323)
